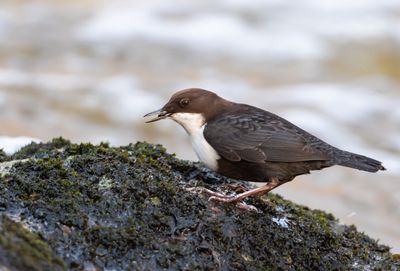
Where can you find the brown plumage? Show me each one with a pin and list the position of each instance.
(244, 142)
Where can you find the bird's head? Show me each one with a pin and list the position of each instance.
(190, 105)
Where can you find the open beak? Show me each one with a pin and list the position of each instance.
(160, 113)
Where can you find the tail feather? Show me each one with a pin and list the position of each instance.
(357, 161)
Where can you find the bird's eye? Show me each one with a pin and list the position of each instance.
(184, 102)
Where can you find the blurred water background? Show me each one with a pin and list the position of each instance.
(88, 70)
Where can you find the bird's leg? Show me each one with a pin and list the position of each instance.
(259, 191)
(216, 195)
(203, 190)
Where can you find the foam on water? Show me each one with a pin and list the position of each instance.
(128, 101)
(344, 103)
(50, 82)
(269, 31)
(210, 32)
(119, 97)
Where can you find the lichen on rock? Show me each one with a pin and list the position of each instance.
(128, 208)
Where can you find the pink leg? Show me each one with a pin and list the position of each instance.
(209, 192)
(259, 191)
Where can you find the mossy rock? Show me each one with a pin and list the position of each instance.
(3, 156)
(23, 250)
(128, 208)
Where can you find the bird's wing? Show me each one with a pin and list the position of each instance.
(257, 136)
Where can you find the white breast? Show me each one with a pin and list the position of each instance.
(194, 125)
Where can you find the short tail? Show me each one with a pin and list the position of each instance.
(357, 161)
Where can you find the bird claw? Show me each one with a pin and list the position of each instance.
(247, 207)
(219, 197)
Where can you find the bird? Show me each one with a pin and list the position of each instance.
(247, 143)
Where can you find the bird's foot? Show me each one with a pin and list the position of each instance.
(259, 191)
(247, 207)
(219, 197)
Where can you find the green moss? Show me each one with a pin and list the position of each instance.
(3, 156)
(128, 208)
(42, 150)
(22, 250)
(396, 257)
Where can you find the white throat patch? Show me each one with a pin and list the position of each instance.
(194, 124)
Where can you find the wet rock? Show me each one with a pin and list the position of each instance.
(23, 250)
(100, 207)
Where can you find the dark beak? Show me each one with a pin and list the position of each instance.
(161, 114)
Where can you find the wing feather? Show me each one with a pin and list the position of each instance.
(256, 135)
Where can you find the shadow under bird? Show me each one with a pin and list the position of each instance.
(244, 142)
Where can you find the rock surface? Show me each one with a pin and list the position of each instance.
(128, 208)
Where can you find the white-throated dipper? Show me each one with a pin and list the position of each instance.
(247, 143)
